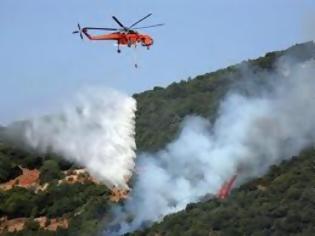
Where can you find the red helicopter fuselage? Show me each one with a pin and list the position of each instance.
(123, 38)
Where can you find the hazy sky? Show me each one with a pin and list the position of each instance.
(42, 63)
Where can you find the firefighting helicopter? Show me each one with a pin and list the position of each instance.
(123, 36)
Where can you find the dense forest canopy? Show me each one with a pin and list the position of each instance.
(253, 209)
(161, 110)
(279, 203)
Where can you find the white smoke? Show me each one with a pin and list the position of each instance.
(251, 133)
(96, 130)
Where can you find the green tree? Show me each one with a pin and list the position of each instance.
(17, 202)
(8, 170)
(50, 171)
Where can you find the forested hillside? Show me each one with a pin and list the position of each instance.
(61, 198)
(161, 110)
(280, 203)
(48, 195)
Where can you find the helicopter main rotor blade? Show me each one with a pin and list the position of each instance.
(134, 24)
(149, 26)
(120, 24)
(96, 28)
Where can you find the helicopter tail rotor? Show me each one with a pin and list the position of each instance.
(79, 31)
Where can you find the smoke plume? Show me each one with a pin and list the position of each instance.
(267, 118)
(96, 130)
